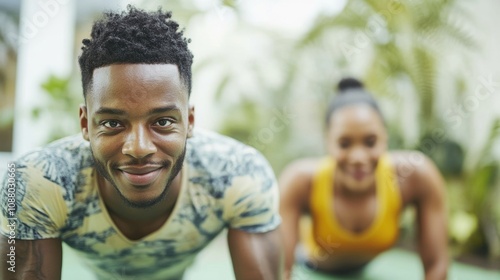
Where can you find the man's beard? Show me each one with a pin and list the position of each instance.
(176, 168)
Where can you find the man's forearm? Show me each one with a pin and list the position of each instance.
(34, 259)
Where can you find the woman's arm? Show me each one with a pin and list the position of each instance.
(429, 190)
(294, 186)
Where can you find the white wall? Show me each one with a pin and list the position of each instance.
(44, 47)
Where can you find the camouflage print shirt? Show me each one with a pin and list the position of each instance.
(225, 184)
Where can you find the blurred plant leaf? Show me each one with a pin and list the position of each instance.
(219, 91)
(56, 87)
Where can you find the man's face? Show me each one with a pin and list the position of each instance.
(137, 119)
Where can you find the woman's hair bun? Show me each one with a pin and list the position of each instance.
(349, 83)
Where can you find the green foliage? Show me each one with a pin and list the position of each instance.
(60, 108)
(448, 155)
(8, 53)
(482, 190)
(398, 43)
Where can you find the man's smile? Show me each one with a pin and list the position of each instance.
(141, 175)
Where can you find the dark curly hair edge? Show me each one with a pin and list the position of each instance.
(135, 36)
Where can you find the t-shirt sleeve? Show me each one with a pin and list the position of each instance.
(251, 203)
(32, 204)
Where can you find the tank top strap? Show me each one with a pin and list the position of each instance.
(320, 189)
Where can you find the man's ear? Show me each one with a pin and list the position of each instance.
(190, 121)
(84, 122)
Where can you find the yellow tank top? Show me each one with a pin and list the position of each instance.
(327, 235)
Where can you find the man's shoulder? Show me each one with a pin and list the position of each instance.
(204, 140)
(59, 160)
(72, 149)
(46, 182)
(218, 162)
(238, 177)
(219, 153)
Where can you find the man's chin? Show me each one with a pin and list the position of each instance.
(144, 202)
(144, 196)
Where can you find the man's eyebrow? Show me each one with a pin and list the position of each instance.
(159, 110)
(110, 111)
(164, 109)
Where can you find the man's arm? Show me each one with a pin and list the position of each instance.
(251, 210)
(33, 260)
(431, 217)
(256, 255)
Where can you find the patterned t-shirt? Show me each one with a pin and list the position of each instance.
(225, 184)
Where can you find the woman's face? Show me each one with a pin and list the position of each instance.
(356, 138)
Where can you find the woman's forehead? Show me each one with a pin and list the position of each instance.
(356, 118)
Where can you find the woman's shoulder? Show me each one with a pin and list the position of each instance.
(417, 174)
(302, 169)
(410, 163)
(295, 182)
(297, 176)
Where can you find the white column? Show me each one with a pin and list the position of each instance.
(46, 36)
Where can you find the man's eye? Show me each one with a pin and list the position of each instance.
(111, 124)
(164, 122)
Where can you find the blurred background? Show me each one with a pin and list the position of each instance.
(264, 72)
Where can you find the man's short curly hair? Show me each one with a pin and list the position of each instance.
(135, 36)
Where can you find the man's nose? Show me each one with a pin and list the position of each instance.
(139, 143)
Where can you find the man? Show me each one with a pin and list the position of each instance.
(142, 193)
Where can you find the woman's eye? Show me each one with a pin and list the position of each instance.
(370, 142)
(344, 144)
(111, 124)
(164, 122)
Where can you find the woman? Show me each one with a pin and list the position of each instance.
(355, 194)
